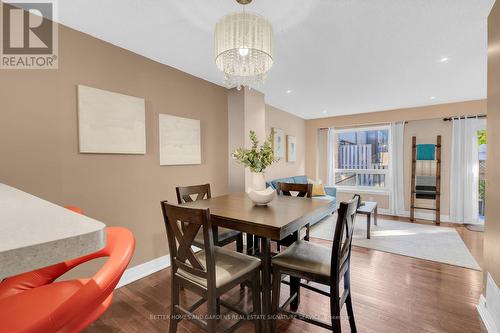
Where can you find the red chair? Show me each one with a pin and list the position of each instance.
(33, 302)
(75, 209)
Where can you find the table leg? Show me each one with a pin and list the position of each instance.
(215, 232)
(266, 284)
(368, 226)
(250, 249)
(256, 246)
(375, 216)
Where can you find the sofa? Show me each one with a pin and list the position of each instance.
(331, 192)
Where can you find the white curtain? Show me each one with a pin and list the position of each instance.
(464, 177)
(396, 168)
(330, 171)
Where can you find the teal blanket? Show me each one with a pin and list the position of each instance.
(425, 152)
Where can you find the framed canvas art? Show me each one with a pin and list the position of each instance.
(291, 148)
(110, 123)
(278, 143)
(180, 140)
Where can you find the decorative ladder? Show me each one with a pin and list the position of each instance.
(437, 197)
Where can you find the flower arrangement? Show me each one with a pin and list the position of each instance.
(257, 159)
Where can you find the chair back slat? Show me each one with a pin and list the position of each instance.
(341, 249)
(358, 197)
(182, 225)
(303, 190)
(184, 193)
(185, 241)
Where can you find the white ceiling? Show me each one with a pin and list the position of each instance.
(336, 56)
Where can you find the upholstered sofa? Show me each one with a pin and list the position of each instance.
(331, 192)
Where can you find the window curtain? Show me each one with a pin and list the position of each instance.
(464, 177)
(330, 172)
(396, 168)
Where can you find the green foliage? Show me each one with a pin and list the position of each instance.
(481, 137)
(482, 189)
(257, 159)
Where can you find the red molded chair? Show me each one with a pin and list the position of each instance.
(33, 302)
(75, 209)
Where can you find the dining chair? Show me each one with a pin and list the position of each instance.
(209, 273)
(320, 264)
(202, 192)
(300, 190)
(357, 197)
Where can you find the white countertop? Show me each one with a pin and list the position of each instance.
(35, 233)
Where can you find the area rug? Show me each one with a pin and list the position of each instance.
(441, 244)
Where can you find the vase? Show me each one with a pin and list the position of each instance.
(258, 181)
(262, 198)
(258, 192)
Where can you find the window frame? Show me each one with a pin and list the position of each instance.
(386, 172)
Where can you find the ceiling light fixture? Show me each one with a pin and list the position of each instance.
(433, 97)
(243, 48)
(444, 59)
(288, 92)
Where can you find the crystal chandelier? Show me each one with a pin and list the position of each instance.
(243, 48)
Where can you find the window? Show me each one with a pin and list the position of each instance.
(362, 158)
(481, 141)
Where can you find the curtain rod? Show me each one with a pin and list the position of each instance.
(465, 117)
(360, 125)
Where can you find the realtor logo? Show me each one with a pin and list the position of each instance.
(28, 35)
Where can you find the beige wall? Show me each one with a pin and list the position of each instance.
(424, 122)
(236, 138)
(255, 119)
(39, 146)
(292, 125)
(492, 233)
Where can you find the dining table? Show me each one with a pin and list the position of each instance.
(282, 217)
(36, 233)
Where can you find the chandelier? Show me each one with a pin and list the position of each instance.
(243, 48)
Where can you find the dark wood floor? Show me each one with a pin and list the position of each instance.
(391, 293)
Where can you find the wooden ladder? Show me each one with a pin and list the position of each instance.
(413, 191)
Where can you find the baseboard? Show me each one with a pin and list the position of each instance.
(418, 215)
(141, 271)
(489, 306)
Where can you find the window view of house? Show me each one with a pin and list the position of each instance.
(362, 158)
(481, 141)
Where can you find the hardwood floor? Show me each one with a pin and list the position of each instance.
(391, 293)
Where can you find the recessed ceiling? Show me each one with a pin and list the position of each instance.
(338, 56)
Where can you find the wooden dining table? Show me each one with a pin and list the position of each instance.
(282, 217)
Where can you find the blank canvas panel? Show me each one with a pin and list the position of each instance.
(110, 123)
(179, 140)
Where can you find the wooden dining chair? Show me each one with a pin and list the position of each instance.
(300, 190)
(317, 263)
(209, 273)
(357, 197)
(201, 192)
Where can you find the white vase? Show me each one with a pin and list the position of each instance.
(258, 181)
(262, 198)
